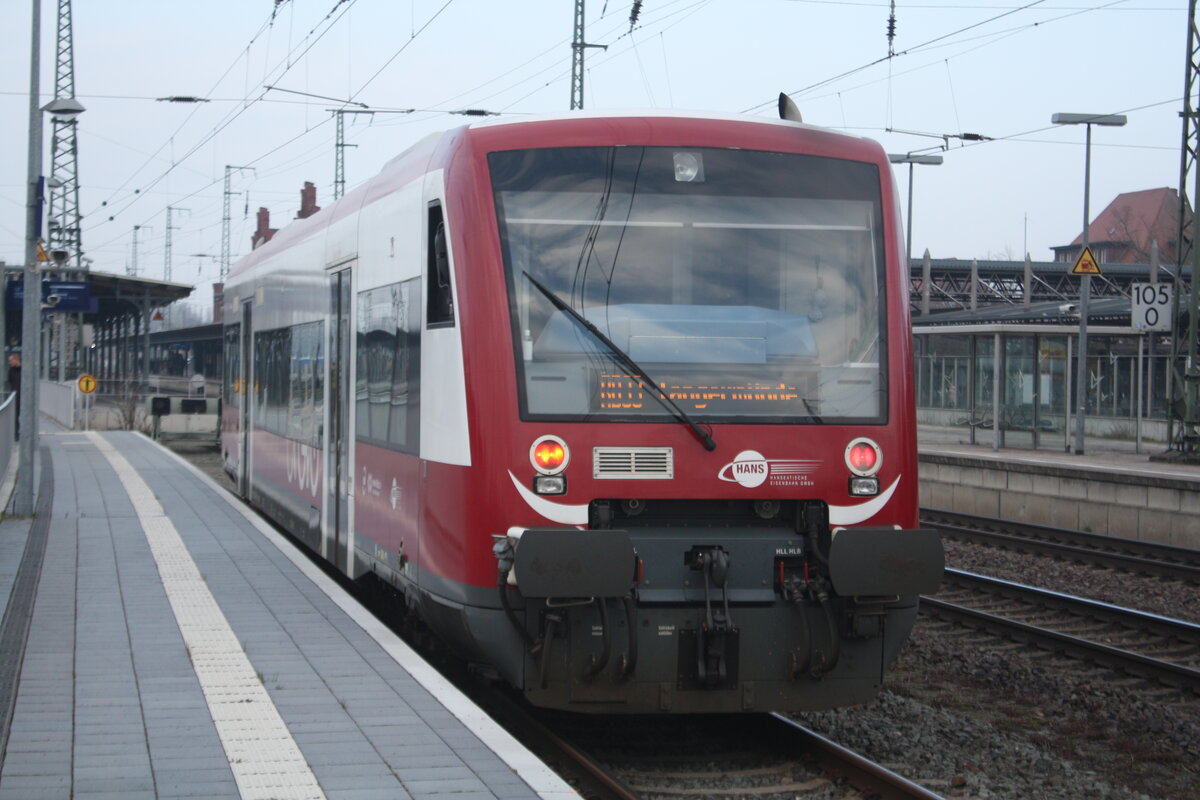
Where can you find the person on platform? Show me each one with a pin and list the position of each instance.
(14, 385)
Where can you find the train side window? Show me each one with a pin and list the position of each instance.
(232, 378)
(440, 305)
(389, 366)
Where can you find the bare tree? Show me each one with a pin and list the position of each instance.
(127, 405)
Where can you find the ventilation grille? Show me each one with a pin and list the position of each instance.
(645, 463)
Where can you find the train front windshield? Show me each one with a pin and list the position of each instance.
(748, 285)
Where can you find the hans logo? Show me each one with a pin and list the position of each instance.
(750, 469)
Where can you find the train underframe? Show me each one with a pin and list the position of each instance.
(683, 618)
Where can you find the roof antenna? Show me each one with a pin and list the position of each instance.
(788, 109)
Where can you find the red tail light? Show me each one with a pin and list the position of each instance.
(863, 457)
(549, 455)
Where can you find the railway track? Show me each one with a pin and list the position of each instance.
(863, 774)
(1132, 555)
(766, 756)
(1150, 646)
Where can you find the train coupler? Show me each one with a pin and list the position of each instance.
(717, 634)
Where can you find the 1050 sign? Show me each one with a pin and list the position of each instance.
(1152, 306)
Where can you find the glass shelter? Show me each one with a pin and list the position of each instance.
(1011, 385)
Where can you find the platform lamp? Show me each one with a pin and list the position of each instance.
(23, 496)
(910, 159)
(1085, 285)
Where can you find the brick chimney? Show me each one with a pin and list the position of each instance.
(264, 232)
(308, 201)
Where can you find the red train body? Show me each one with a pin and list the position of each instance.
(623, 406)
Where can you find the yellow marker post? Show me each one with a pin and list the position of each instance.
(87, 385)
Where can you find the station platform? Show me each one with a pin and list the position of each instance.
(1109, 489)
(160, 641)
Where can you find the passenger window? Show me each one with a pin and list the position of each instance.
(440, 310)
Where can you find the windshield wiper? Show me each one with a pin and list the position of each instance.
(813, 415)
(657, 392)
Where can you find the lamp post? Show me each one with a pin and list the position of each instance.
(910, 159)
(31, 315)
(1085, 285)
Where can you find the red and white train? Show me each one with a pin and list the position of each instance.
(621, 405)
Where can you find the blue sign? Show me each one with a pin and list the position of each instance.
(66, 296)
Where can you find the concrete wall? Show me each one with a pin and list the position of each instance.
(1157, 510)
(58, 401)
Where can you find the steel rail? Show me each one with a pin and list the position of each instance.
(861, 773)
(589, 776)
(864, 775)
(1166, 672)
(1152, 558)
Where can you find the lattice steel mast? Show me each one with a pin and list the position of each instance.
(133, 264)
(578, 45)
(1183, 406)
(339, 147)
(63, 227)
(167, 243)
(339, 161)
(226, 218)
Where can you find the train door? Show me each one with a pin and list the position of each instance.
(339, 480)
(247, 397)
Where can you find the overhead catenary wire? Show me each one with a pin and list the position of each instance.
(232, 116)
(286, 64)
(989, 39)
(907, 51)
(293, 57)
(518, 75)
(609, 54)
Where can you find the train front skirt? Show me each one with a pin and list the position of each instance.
(713, 620)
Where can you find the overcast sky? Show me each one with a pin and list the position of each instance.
(999, 68)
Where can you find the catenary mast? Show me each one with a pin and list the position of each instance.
(1183, 392)
(63, 228)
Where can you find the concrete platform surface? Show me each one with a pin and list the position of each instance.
(175, 646)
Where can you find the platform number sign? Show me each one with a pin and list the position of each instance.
(1152, 306)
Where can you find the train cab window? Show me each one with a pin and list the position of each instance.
(749, 285)
(440, 311)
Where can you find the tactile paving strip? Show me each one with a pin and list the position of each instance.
(266, 761)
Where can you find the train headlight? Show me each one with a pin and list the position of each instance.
(864, 487)
(689, 167)
(549, 455)
(550, 484)
(863, 457)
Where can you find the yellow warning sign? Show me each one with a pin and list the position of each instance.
(1087, 264)
(41, 253)
(87, 384)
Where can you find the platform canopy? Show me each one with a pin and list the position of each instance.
(118, 294)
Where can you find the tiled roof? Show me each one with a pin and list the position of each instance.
(1137, 219)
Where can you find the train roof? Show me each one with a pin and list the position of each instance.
(658, 114)
(648, 114)
(574, 130)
